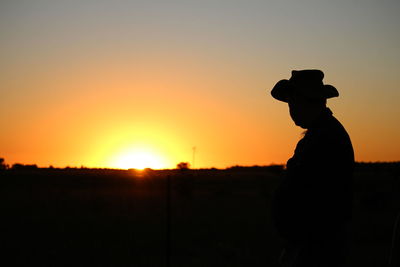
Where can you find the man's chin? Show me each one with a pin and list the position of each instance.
(300, 124)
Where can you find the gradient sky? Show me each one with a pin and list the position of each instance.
(84, 82)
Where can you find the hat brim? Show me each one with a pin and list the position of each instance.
(283, 89)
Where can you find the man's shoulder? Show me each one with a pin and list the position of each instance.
(330, 130)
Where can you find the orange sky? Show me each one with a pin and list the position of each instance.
(94, 82)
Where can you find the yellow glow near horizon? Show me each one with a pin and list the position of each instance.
(138, 159)
(118, 87)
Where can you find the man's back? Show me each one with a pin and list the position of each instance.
(314, 202)
(317, 188)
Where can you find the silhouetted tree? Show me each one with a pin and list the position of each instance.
(3, 166)
(183, 166)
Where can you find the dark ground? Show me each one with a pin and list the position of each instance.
(81, 217)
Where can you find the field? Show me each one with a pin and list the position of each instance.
(82, 217)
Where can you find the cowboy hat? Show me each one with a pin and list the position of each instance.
(305, 82)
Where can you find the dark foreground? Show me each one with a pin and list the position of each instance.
(218, 217)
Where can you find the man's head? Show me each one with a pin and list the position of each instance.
(304, 110)
(306, 95)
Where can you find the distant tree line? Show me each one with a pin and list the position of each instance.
(274, 168)
(277, 168)
(16, 166)
(377, 166)
(19, 166)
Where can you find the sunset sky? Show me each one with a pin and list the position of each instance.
(106, 83)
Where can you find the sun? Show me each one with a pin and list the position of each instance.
(138, 160)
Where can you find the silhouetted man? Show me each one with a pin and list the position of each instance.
(313, 204)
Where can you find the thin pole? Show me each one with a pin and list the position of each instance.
(168, 218)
